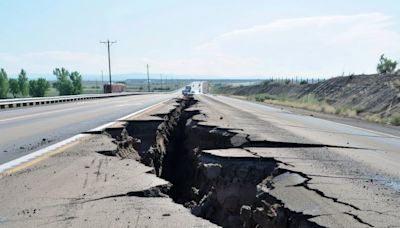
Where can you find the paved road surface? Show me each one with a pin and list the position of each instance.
(345, 187)
(384, 149)
(29, 129)
(333, 184)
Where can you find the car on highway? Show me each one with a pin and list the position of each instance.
(186, 90)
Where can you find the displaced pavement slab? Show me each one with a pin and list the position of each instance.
(81, 187)
(344, 186)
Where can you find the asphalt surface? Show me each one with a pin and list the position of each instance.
(381, 150)
(337, 174)
(29, 129)
(352, 174)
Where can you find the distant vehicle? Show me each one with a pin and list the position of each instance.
(115, 88)
(186, 90)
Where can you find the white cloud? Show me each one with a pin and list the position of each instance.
(308, 46)
(314, 46)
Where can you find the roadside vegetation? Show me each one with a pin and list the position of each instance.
(308, 102)
(72, 83)
(66, 84)
(386, 65)
(22, 87)
(395, 119)
(357, 96)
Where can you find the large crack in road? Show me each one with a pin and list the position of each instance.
(228, 191)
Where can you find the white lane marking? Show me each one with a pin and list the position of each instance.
(38, 153)
(347, 125)
(122, 105)
(126, 117)
(371, 131)
(37, 114)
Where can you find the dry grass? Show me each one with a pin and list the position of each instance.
(308, 102)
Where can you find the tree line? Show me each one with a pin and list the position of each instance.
(67, 83)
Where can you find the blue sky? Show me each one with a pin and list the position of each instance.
(222, 38)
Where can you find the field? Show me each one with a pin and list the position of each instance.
(133, 85)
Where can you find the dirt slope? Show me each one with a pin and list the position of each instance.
(375, 94)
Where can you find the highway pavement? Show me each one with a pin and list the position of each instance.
(311, 170)
(342, 175)
(26, 130)
(383, 148)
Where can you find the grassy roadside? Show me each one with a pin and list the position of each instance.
(309, 102)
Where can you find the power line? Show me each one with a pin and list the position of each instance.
(109, 43)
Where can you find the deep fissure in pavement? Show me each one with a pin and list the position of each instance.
(227, 191)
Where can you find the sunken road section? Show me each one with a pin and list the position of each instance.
(228, 191)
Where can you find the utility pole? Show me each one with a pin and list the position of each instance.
(148, 79)
(161, 81)
(109, 58)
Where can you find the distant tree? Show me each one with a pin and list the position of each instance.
(23, 83)
(303, 82)
(76, 80)
(14, 87)
(38, 88)
(3, 84)
(68, 83)
(386, 65)
(63, 84)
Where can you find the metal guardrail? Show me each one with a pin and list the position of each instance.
(25, 102)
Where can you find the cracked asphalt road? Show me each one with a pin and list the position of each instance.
(339, 186)
(29, 129)
(334, 176)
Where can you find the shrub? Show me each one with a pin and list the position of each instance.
(303, 82)
(386, 65)
(262, 97)
(395, 119)
(344, 111)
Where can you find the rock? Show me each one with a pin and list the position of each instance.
(212, 170)
(261, 218)
(280, 220)
(245, 213)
